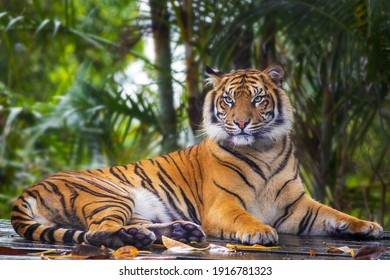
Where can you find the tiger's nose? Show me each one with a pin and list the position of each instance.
(242, 123)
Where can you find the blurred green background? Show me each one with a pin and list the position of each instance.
(88, 83)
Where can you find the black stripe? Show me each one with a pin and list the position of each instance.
(284, 162)
(61, 196)
(286, 183)
(139, 171)
(236, 169)
(37, 195)
(112, 171)
(49, 231)
(166, 184)
(198, 182)
(50, 234)
(279, 100)
(68, 236)
(163, 170)
(115, 206)
(30, 230)
(305, 221)
(124, 179)
(197, 162)
(287, 212)
(179, 152)
(165, 158)
(191, 208)
(284, 141)
(249, 162)
(113, 218)
(172, 205)
(81, 238)
(178, 168)
(73, 197)
(114, 185)
(211, 109)
(99, 209)
(87, 189)
(258, 159)
(16, 209)
(42, 235)
(198, 185)
(314, 219)
(232, 193)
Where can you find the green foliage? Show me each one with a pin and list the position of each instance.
(66, 110)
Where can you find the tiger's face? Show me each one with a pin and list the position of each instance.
(247, 106)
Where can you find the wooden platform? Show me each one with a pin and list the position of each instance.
(291, 247)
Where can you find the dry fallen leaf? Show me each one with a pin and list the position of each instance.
(338, 250)
(179, 246)
(255, 247)
(125, 252)
(370, 252)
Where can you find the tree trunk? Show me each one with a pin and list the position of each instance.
(242, 57)
(267, 52)
(267, 45)
(185, 21)
(161, 36)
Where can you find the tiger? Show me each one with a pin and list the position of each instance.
(241, 182)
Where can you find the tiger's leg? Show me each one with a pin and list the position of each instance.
(233, 222)
(308, 217)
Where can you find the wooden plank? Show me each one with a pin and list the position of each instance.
(291, 247)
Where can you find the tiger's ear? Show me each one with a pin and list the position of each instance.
(213, 76)
(276, 73)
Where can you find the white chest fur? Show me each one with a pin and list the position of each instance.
(149, 206)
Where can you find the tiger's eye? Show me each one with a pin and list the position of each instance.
(228, 100)
(258, 99)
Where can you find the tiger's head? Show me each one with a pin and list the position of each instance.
(247, 106)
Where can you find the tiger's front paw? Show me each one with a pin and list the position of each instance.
(262, 234)
(359, 228)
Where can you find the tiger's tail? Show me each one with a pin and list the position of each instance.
(28, 223)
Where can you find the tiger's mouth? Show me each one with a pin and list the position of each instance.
(243, 133)
(248, 136)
